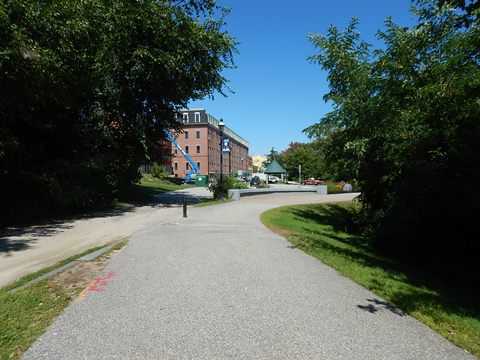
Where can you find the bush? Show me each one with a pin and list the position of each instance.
(160, 171)
(229, 182)
(262, 185)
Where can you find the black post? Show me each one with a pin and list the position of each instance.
(184, 207)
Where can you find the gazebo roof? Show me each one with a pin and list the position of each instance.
(274, 168)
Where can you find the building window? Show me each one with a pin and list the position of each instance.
(198, 164)
(197, 117)
(198, 149)
(186, 149)
(185, 117)
(186, 134)
(198, 134)
(175, 151)
(187, 165)
(176, 166)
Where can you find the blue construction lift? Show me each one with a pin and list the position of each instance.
(194, 169)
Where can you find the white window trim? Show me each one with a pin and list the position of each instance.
(195, 117)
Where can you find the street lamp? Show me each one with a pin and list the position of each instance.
(221, 127)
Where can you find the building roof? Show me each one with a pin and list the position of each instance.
(274, 168)
(206, 118)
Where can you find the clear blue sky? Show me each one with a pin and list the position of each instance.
(277, 92)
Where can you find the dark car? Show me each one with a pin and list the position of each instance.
(176, 180)
(255, 181)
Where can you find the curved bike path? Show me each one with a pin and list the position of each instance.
(220, 285)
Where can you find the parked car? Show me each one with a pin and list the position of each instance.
(255, 181)
(176, 180)
(273, 179)
(312, 181)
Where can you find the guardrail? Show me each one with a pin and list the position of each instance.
(235, 194)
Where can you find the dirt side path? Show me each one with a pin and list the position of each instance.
(25, 250)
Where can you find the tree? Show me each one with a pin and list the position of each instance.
(405, 121)
(272, 155)
(87, 88)
(305, 155)
(468, 10)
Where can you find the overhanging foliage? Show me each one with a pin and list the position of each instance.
(406, 124)
(86, 88)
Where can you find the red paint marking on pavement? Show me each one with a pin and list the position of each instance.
(98, 285)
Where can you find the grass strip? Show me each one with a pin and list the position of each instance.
(325, 232)
(212, 202)
(145, 191)
(27, 313)
(23, 280)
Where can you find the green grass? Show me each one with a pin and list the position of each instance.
(327, 233)
(146, 189)
(212, 202)
(27, 313)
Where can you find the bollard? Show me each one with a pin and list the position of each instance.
(184, 207)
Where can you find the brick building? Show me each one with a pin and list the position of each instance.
(201, 140)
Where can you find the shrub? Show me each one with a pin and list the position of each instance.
(229, 182)
(262, 185)
(159, 171)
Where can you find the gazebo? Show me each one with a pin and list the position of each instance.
(275, 168)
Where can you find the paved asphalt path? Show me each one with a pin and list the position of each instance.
(219, 285)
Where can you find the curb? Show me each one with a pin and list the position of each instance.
(88, 257)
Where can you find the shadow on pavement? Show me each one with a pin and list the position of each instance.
(378, 305)
(176, 198)
(13, 239)
(9, 243)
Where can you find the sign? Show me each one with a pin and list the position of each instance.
(226, 145)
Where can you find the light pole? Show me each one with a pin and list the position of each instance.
(242, 167)
(221, 127)
(230, 163)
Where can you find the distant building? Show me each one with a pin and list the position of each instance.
(258, 161)
(200, 138)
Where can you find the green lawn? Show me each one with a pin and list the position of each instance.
(327, 233)
(26, 314)
(147, 188)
